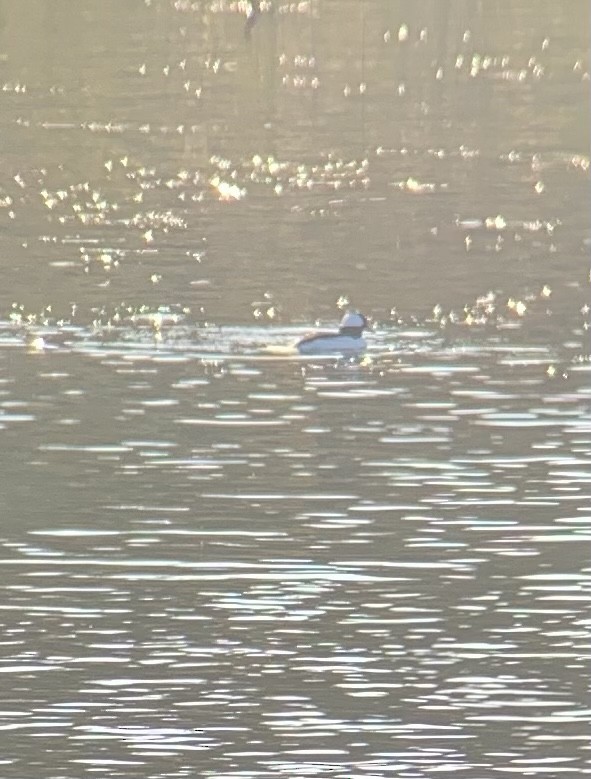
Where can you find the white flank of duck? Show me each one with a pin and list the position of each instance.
(348, 340)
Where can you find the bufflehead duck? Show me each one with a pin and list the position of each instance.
(348, 340)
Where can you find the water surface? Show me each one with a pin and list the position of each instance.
(221, 560)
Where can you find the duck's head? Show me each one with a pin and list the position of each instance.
(353, 323)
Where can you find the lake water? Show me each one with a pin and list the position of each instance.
(223, 561)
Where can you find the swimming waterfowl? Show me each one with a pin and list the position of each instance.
(348, 340)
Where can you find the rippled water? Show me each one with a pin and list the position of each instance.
(220, 559)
